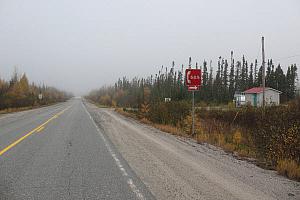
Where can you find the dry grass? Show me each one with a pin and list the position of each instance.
(145, 121)
(126, 114)
(10, 110)
(229, 147)
(289, 168)
(202, 137)
(163, 127)
(168, 128)
(230, 138)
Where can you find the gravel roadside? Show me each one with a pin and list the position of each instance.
(178, 168)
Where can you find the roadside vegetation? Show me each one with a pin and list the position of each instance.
(18, 94)
(270, 137)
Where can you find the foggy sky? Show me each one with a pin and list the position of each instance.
(78, 45)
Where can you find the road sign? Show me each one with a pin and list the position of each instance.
(192, 88)
(193, 77)
(167, 99)
(40, 96)
(193, 82)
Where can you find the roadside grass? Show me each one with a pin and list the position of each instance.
(206, 132)
(163, 127)
(231, 138)
(169, 129)
(289, 168)
(12, 110)
(125, 113)
(101, 105)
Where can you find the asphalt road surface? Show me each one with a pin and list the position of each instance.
(57, 152)
(75, 150)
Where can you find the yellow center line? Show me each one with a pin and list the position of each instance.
(37, 129)
(40, 129)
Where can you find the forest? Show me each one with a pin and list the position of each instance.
(271, 136)
(18, 93)
(217, 87)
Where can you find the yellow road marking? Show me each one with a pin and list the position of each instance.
(40, 129)
(37, 129)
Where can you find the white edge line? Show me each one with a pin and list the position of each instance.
(129, 180)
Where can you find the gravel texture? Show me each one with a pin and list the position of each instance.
(173, 167)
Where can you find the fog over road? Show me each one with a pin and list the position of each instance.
(75, 150)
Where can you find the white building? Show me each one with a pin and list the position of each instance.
(239, 99)
(254, 96)
(298, 91)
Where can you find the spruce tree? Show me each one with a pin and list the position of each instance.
(210, 84)
(256, 84)
(225, 82)
(250, 79)
(231, 80)
(237, 77)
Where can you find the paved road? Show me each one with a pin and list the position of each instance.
(58, 152)
(75, 150)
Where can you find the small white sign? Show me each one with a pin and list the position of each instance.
(167, 99)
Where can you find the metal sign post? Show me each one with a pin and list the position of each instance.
(193, 82)
(193, 113)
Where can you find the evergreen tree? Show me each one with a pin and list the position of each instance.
(237, 78)
(217, 84)
(259, 77)
(280, 82)
(225, 82)
(231, 80)
(256, 81)
(205, 81)
(210, 84)
(243, 81)
(250, 79)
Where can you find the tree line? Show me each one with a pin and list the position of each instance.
(269, 135)
(18, 92)
(217, 87)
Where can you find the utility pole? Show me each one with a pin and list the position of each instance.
(231, 58)
(263, 70)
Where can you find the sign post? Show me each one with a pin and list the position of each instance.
(193, 82)
(193, 113)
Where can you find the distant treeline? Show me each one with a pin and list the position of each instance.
(18, 92)
(217, 88)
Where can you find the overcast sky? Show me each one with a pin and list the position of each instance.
(78, 45)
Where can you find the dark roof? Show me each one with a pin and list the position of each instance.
(257, 90)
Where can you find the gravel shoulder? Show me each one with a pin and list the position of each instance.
(173, 167)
